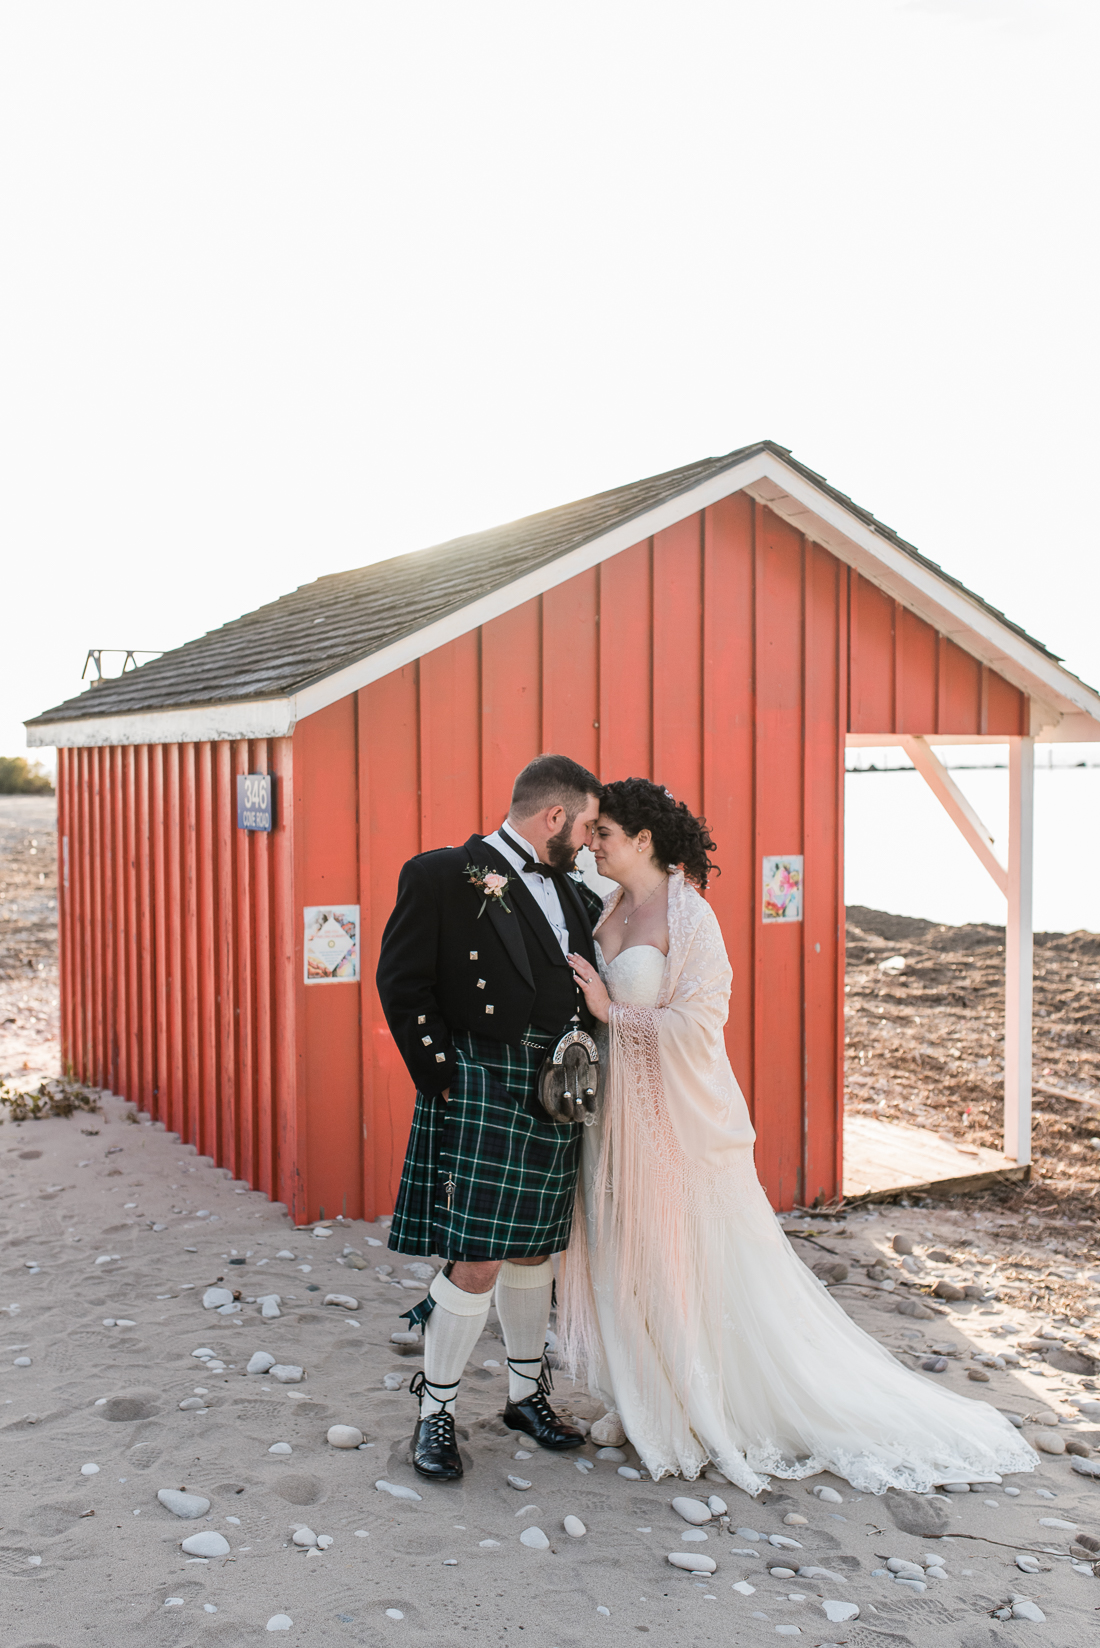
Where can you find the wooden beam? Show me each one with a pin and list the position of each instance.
(1018, 949)
(962, 814)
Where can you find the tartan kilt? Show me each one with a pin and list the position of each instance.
(514, 1170)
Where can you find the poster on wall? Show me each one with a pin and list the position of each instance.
(332, 943)
(783, 888)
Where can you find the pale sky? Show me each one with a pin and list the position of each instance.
(290, 288)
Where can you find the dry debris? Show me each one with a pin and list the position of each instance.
(925, 1043)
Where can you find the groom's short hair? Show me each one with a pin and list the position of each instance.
(552, 781)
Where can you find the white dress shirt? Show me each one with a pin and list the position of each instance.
(542, 887)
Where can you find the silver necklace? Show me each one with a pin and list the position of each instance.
(642, 905)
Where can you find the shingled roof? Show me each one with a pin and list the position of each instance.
(322, 627)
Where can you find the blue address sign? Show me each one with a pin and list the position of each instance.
(255, 801)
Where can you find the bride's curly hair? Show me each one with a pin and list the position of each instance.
(679, 837)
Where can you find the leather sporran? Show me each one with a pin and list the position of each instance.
(569, 1080)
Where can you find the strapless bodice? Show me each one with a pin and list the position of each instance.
(634, 976)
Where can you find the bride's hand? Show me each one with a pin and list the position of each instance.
(596, 997)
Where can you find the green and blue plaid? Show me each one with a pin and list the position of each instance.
(487, 1174)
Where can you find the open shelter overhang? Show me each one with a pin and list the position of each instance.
(1062, 707)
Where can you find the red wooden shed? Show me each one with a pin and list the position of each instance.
(724, 628)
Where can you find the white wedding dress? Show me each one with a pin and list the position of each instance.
(684, 1305)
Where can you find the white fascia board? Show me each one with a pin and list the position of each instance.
(947, 608)
(257, 718)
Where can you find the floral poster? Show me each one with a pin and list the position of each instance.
(783, 888)
(332, 943)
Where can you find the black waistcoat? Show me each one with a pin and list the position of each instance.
(555, 990)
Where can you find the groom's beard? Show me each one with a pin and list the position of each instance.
(560, 852)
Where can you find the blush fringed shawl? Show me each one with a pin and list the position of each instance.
(668, 1173)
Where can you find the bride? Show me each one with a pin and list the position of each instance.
(683, 1303)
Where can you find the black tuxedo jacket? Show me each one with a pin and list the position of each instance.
(443, 968)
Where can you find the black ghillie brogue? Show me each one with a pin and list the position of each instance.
(536, 1418)
(434, 1449)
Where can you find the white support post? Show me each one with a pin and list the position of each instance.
(1018, 949)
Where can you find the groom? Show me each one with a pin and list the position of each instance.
(475, 986)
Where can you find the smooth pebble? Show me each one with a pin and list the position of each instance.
(574, 1527)
(186, 1505)
(520, 1483)
(286, 1373)
(1047, 1442)
(615, 1455)
(280, 1447)
(837, 1612)
(829, 1495)
(208, 1543)
(534, 1539)
(261, 1361)
(692, 1510)
(22, 1362)
(630, 1473)
(606, 1612)
(393, 1381)
(344, 1436)
(716, 1506)
(692, 1535)
(1026, 1609)
(694, 1562)
(305, 1537)
(215, 1297)
(344, 1300)
(744, 1587)
(397, 1489)
(89, 1470)
(279, 1622)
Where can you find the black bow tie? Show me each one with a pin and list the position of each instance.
(531, 864)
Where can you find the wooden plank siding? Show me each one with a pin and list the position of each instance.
(726, 658)
(167, 946)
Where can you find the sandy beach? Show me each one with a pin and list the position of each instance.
(113, 1233)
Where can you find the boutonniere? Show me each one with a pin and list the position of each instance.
(490, 884)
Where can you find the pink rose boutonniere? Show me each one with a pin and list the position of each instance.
(490, 884)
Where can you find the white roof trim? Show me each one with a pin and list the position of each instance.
(766, 477)
(258, 718)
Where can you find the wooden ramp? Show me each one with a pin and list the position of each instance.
(885, 1159)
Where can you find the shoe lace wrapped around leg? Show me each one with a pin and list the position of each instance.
(538, 1398)
(420, 1387)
